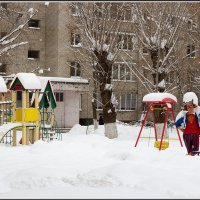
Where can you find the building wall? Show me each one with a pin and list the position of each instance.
(53, 40)
(67, 112)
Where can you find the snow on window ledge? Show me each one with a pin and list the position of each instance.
(76, 45)
(34, 27)
(32, 58)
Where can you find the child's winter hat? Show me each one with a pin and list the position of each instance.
(190, 97)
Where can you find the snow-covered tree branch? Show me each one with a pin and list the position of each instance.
(101, 27)
(17, 21)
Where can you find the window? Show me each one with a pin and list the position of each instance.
(171, 77)
(122, 71)
(127, 101)
(126, 41)
(19, 99)
(113, 11)
(127, 14)
(189, 24)
(4, 5)
(75, 69)
(191, 51)
(145, 16)
(33, 54)
(3, 34)
(75, 39)
(98, 12)
(173, 21)
(108, 38)
(120, 13)
(3, 69)
(59, 96)
(145, 50)
(33, 23)
(99, 101)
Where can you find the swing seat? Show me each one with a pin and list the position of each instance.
(165, 144)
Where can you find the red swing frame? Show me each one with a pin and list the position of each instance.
(165, 102)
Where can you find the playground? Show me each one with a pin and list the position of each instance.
(91, 166)
(87, 161)
(161, 102)
(35, 118)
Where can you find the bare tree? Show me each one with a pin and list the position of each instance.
(100, 25)
(16, 21)
(163, 32)
(160, 29)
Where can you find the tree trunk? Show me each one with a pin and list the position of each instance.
(104, 78)
(159, 110)
(95, 124)
(111, 130)
(94, 112)
(109, 114)
(94, 102)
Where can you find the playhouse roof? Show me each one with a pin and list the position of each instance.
(3, 87)
(28, 81)
(47, 95)
(158, 97)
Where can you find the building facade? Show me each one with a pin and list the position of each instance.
(53, 39)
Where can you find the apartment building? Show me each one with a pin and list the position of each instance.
(53, 39)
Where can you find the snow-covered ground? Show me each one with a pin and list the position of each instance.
(93, 166)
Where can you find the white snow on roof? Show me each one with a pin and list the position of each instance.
(29, 81)
(65, 80)
(3, 87)
(156, 96)
(46, 3)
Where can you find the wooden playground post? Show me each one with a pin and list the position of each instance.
(23, 117)
(27, 128)
(52, 120)
(2, 107)
(13, 119)
(14, 98)
(37, 128)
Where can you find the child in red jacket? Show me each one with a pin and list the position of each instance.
(188, 122)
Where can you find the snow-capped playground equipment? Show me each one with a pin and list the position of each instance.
(5, 106)
(5, 109)
(47, 103)
(166, 100)
(27, 117)
(32, 118)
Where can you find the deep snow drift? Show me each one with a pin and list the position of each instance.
(93, 166)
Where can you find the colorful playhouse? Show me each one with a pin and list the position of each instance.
(34, 118)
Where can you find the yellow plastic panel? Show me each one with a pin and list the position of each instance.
(31, 115)
(19, 114)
